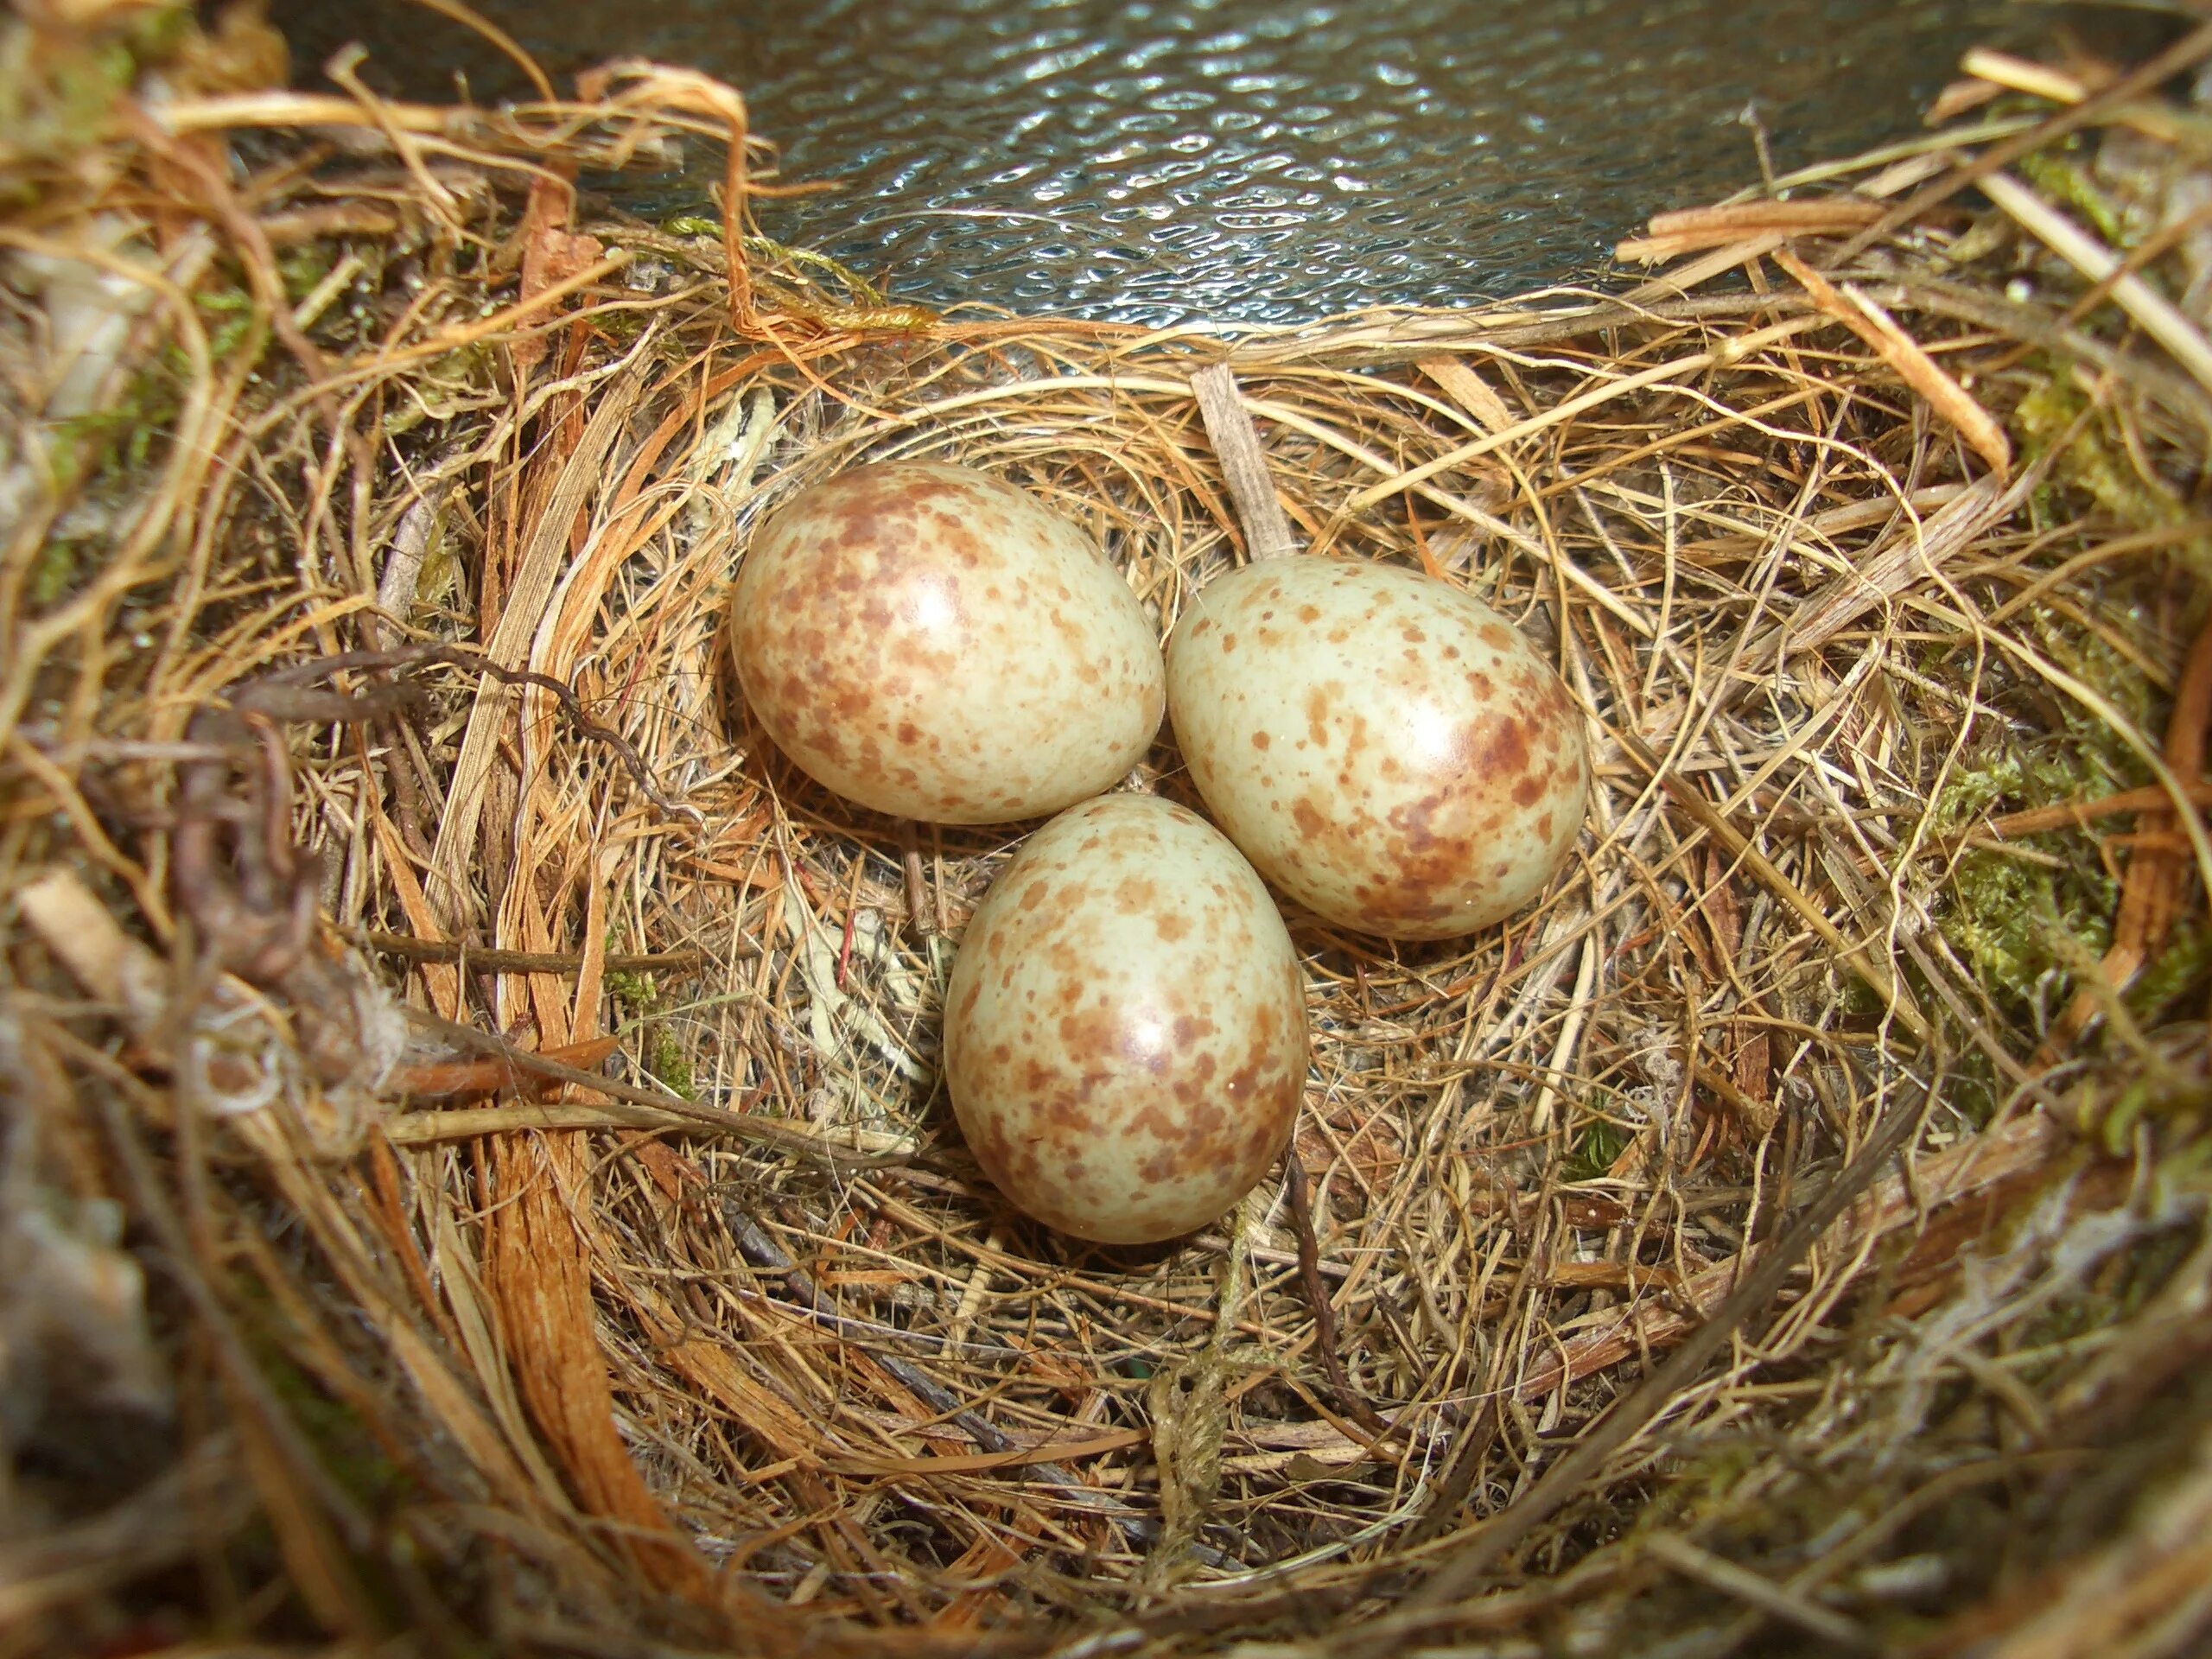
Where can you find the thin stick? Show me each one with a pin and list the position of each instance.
(267, 695)
(673, 1108)
(2075, 814)
(532, 962)
(1352, 1404)
(910, 850)
(1244, 463)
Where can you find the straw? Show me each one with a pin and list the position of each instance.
(492, 1097)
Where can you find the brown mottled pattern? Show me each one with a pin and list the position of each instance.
(930, 641)
(1125, 1029)
(1386, 749)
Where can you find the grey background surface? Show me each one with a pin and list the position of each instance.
(1239, 159)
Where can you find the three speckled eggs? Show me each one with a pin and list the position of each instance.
(1125, 1031)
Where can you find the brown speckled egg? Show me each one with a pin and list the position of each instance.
(1125, 1028)
(1390, 751)
(930, 641)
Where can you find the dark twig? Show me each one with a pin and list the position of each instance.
(256, 909)
(534, 962)
(743, 1126)
(1352, 1404)
(276, 694)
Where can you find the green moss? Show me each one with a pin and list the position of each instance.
(2017, 920)
(2178, 1100)
(228, 315)
(118, 442)
(60, 89)
(1600, 1142)
(448, 385)
(2061, 171)
(56, 571)
(2026, 918)
(301, 267)
(2093, 459)
(2183, 963)
(664, 1056)
(2007, 918)
(343, 1443)
(666, 1060)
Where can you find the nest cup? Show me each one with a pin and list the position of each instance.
(481, 1174)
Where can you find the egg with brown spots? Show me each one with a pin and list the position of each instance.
(1388, 750)
(1125, 1029)
(930, 641)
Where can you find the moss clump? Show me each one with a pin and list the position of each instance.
(666, 1060)
(2062, 171)
(2026, 917)
(2020, 920)
(664, 1056)
(2006, 916)
(1596, 1148)
(2093, 459)
(2179, 1100)
(2183, 963)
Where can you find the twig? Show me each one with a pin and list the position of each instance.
(459, 1079)
(2077, 815)
(743, 1126)
(910, 859)
(1243, 462)
(1860, 313)
(533, 962)
(265, 695)
(411, 546)
(1352, 1404)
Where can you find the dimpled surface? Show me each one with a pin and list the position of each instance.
(1125, 1029)
(1156, 160)
(1388, 750)
(930, 641)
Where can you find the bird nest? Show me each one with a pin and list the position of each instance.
(479, 1169)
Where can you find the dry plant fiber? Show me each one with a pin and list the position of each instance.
(475, 1176)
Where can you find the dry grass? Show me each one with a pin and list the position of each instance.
(557, 1237)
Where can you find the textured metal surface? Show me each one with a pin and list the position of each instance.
(1242, 158)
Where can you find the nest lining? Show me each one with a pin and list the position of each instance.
(686, 1269)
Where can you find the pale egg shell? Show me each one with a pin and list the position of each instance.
(1125, 1034)
(1386, 749)
(932, 642)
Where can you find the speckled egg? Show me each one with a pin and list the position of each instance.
(930, 641)
(1125, 1029)
(1389, 752)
